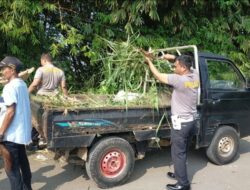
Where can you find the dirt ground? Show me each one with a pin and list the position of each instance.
(149, 173)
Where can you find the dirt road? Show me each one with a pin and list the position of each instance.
(149, 173)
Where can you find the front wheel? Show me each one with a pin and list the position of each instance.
(224, 146)
(111, 162)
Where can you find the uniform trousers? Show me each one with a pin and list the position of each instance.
(180, 140)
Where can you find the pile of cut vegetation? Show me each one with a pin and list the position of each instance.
(78, 101)
(127, 81)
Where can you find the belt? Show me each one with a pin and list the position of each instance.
(185, 118)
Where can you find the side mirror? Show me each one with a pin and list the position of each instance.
(248, 83)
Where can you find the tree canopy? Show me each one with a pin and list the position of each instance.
(71, 30)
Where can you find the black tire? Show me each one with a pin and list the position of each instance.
(224, 146)
(111, 162)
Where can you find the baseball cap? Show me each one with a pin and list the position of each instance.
(12, 62)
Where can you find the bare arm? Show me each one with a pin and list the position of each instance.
(34, 85)
(169, 57)
(10, 112)
(64, 88)
(162, 77)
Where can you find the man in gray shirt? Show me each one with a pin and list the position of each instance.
(46, 81)
(185, 83)
(48, 78)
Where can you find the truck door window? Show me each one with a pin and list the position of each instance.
(222, 75)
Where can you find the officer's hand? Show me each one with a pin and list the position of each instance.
(147, 54)
(147, 60)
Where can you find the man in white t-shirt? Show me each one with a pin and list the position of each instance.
(15, 123)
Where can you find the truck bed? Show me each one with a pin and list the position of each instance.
(79, 126)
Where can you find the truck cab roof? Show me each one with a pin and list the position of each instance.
(211, 55)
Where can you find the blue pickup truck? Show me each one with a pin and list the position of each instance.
(110, 139)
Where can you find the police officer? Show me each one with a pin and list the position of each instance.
(46, 81)
(185, 83)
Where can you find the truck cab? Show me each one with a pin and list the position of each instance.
(224, 106)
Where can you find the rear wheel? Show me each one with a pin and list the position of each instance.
(111, 162)
(224, 146)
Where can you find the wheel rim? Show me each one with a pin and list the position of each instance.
(226, 146)
(113, 163)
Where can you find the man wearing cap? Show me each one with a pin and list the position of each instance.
(185, 83)
(15, 123)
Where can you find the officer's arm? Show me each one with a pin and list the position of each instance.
(64, 88)
(162, 77)
(169, 57)
(33, 86)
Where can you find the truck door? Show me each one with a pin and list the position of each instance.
(226, 98)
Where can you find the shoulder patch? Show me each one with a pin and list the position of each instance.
(191, 84)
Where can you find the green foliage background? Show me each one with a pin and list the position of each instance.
(71, 30)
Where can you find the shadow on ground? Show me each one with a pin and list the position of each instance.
(162, 158)
(69, 173)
